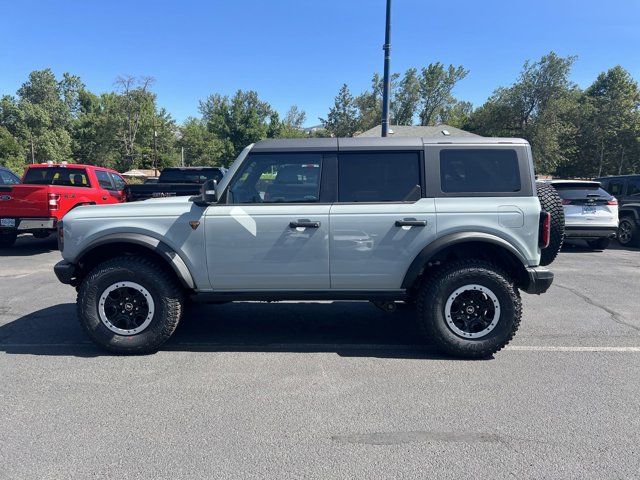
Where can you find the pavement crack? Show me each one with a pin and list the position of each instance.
(615, 316)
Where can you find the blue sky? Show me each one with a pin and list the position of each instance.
(295, 52)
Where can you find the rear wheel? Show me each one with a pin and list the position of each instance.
(551, 202)
(7, 239)
(470, 309)
(130, 305)
(600, 244)
(628, 233)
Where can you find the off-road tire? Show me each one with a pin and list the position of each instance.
(634, 240)
(165, 290)
(599, 244)
(7, 239)
(433, 296)
(551, 202)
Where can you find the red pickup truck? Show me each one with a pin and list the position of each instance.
(48, 191)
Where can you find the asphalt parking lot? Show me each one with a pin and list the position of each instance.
(323, 390)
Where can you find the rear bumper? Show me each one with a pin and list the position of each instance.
(589, 231)
(540, 279)
(65, 271)
(27, 225)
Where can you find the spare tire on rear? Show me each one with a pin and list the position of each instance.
(551, 202)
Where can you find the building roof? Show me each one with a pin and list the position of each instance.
(418, 131)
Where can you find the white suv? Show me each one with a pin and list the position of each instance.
(590, 212)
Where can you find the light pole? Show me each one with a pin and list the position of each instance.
(386, 81)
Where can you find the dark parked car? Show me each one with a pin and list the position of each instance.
(175, 182)
(7, 177)
(626, 188)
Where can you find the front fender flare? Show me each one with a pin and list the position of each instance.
(435, 247)
(167, 253)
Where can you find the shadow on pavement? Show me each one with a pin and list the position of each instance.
(27, 245)
(350, 329)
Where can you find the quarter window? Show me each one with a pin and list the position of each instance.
(479, 171)
(379, 177)
(278, 178)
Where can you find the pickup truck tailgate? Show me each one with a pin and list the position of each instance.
(24, 201)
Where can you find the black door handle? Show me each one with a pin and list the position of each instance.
(411, 223)
(304, 224)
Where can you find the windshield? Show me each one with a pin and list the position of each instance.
(190, 176)
(64, 176)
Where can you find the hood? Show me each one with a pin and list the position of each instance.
(153, 207)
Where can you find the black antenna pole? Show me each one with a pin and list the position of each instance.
(386, 81)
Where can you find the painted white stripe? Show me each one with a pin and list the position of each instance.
(523, 348)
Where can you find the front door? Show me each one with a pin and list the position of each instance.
(381, 221)
(270, 231)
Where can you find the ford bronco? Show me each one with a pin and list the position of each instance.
(454, 228)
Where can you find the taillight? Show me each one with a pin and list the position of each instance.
(566, 201)
(54, 202)
(613, 201)
(545, 229)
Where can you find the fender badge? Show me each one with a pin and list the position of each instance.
(194, 224)
(5, 198)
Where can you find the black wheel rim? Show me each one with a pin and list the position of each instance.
(472, 311)
(126, 308)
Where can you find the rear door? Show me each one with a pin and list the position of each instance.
(120, 186)
(107, 192)
(381, 220)
(271, 229)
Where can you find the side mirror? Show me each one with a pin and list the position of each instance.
(208, 193)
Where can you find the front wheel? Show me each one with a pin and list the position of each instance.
(470, 309)
(130, 305)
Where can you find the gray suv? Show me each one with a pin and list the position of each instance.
(454, 228)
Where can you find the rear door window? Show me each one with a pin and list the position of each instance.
(63, 176)
(119, 183)
(633, 187)
(8, 178)
(615, 187)
(379, 177)
(479, 171)
(104, 180)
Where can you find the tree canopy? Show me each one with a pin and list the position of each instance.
(572, 132)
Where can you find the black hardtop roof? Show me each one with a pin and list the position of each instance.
(378, 143)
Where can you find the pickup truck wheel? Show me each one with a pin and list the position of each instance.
(129, 305)
(551, 202)
(7, 239)
(470, 309)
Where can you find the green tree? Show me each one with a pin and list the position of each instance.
(236, 121)
(200, 146)
(406, 99)
(342, 119)
(541, 106)
(610, 130)
(435, 86)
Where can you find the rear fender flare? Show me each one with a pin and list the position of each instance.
(430, 251)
